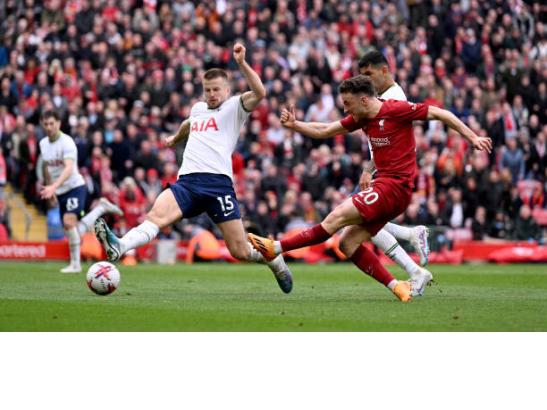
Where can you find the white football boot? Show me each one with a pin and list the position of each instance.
(418, 240)
(282, 273)
(110, 208)
(71, 269)
(419, 281)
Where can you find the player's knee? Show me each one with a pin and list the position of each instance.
(69, 222)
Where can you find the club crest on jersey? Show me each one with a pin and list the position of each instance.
(204, 125)
(381, 124)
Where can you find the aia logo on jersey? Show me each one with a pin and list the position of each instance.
(205, 125)
(381, 124)
(55, 163)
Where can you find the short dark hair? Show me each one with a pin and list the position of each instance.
(213, 73)
(373, 58)
(360, 84)
(50, 114)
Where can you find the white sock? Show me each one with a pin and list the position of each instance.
(276, 265)
(86, 223)
(74, 246)
(398, 231)
(141, 235)
(254, 255)
(389, 245)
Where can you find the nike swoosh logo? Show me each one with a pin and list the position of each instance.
(228, 213)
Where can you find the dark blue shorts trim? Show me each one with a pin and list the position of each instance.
(203, 192)
(73, 201)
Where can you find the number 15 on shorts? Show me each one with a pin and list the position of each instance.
(368, 196)
(226, 204)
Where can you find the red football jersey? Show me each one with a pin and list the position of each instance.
(391, 136)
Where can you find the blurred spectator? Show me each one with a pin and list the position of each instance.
(273, 181)
(526, 229)
(262, 218)
(3, 174)
(499, 227)
(132, 202)
(471, 198)
(313, 182)
(513, 160)
(492, 194)
(275, 132)
(5, 229)
(152, 185)
(453, 212)
(146, 158)
(536, 163)
(479, 226)
(512, 202)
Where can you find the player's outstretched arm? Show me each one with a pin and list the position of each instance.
(182, 133)
(480, 143)
(317, 130)
(250, 99)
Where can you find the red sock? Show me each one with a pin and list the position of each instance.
(311, 236)
(369, 263)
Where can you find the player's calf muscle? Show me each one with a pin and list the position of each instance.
(239, 250)
(163, 214)
(161, 220)
(348, 246)
(352, 238)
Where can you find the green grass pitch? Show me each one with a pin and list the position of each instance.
(245, 297)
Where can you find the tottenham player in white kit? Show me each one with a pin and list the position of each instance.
(205, 176)
(374, 65)
(61, 178)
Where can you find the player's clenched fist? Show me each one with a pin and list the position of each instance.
(239, 53)
(288, 117)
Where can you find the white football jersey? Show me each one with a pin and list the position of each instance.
(213, 137)
(54, 155)
(395, 92)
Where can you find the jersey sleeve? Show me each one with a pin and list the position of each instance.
(349, 123)
(409, 111)
(69, 150)
(242, 113)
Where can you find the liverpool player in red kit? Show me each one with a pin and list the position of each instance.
(388, 125)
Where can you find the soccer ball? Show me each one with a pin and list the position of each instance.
(103, 278)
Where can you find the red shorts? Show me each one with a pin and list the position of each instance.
(383, 201)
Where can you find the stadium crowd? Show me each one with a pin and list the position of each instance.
(125, 73)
